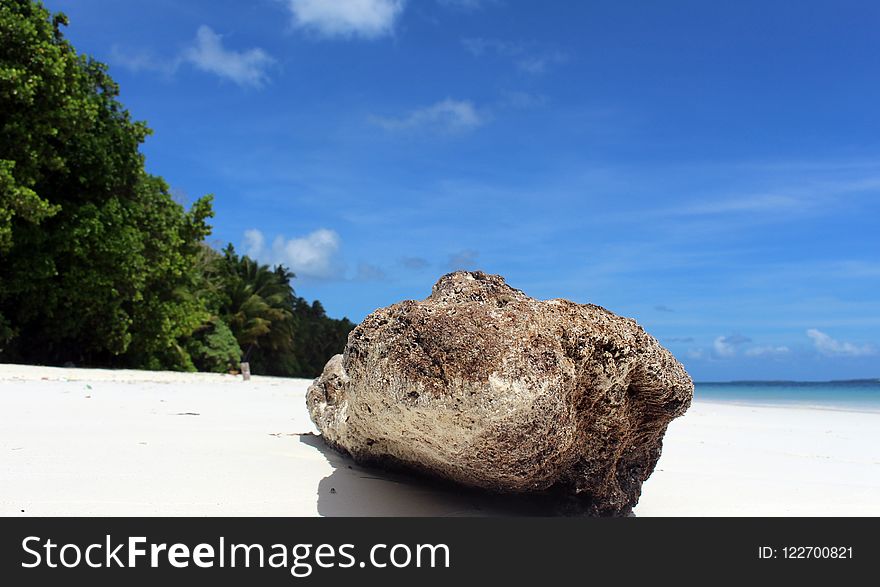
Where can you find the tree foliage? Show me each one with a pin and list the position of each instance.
(97, 259)
(280, 333)
(213, 348)
(62, 127)
(257, 302)
(98, 264)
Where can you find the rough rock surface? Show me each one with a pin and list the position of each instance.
(485, 386)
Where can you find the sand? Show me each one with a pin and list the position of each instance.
(84, 442)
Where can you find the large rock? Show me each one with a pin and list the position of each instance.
(483, 385)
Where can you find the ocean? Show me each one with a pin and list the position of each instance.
(860, 395)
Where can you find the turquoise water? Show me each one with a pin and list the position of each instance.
(862, 395)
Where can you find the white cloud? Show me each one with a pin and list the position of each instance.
(767, 351)
(725, 346)
(207, 53)
(246, 68)
(479, 46)
(858, 269)
(137, 61)
(523, 100)
(466, 4)
(346, 18)
(745, 204)
(312, 255)
(831, 347)
(447, 116)
(528, 59)
(537, 64)
(254, 243)
(722, 348)
(695, 354)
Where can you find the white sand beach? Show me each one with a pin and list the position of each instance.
(84, 442)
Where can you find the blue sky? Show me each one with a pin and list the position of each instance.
(710, 169)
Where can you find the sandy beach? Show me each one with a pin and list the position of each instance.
(83, 442)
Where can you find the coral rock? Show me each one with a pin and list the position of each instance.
(485, 386)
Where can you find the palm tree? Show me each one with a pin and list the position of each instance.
(258, 303)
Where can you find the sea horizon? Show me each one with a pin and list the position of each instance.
(848, 394)
(870, 381)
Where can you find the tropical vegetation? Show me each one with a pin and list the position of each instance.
(99, 265)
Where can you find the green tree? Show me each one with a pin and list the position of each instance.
(257, 303)
(280, 333)
(61, 124)
(317, 337)
(213, 347)
(97, 262)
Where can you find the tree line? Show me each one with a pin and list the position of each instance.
(99, 265)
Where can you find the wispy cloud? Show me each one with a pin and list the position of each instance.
(695, 354)
(414, 263)
(756, 203)
(526, 57)
(537, 64)
(247, 68)
(679, 339)
(254, 243)
(725, 347)
(312, 255)
(466, 4)
(831, 347)
(662, 308)
(369, 272)
(802, 188)
(767, 351)
(858, 269)
(140, 60)
(445, 117)
(465, 259)
(480, 46)
(523, 100)
(369, 19)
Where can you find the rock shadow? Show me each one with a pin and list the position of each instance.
(356, 490)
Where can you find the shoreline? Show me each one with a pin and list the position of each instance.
(790, 406)
(85, 442)
(21, 372)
